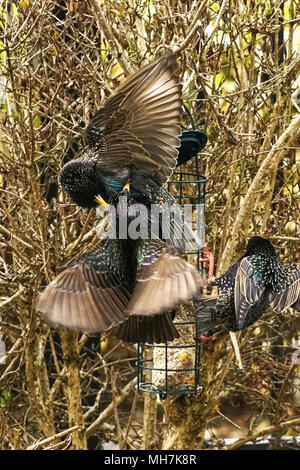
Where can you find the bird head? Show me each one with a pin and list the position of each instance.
(258, 245)
(81, 180)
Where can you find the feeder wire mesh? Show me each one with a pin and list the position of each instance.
(157, 364)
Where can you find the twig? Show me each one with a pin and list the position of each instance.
(14, 296)
(288, 239)
(131, 416)
(108, 33)
(8, 232)
(72, 387)
(216, 25)
(283, 389)
(100, 392)
(115, 406)
(273, 158)
(196, 23)
(110, 408)
(236, 349)
(70, 249)
(266, 431)
(227, 419)
(38, 444)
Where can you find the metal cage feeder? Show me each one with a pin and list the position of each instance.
(160, 376)
(155, 362)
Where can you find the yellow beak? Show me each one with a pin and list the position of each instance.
(127, 187)
(101, 201)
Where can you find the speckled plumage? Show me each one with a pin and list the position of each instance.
(256, 282)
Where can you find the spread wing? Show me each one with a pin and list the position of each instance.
(290, 296)
(86, 295)
(141, 122)
(247, 290)
(165, 279)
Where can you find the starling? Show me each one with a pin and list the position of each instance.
(119, 280)
(255, 283)
(132, 148)
(135, 135)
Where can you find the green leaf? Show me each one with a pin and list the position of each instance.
(4, 397)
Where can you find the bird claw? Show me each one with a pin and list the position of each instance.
(211, 281)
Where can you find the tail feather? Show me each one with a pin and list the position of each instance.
(158, 329)
(205, 314)
(296, 305)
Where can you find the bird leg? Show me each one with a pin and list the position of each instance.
(204, 339)
(221, 331)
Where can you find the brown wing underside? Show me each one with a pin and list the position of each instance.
(80, 298)
(141, 121)
(164, 284)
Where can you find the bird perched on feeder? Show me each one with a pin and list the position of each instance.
(100, 289)
(255, 283)
(133, 143)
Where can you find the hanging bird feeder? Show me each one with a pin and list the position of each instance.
(174, 367)
(171, 368)
(192, 142)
